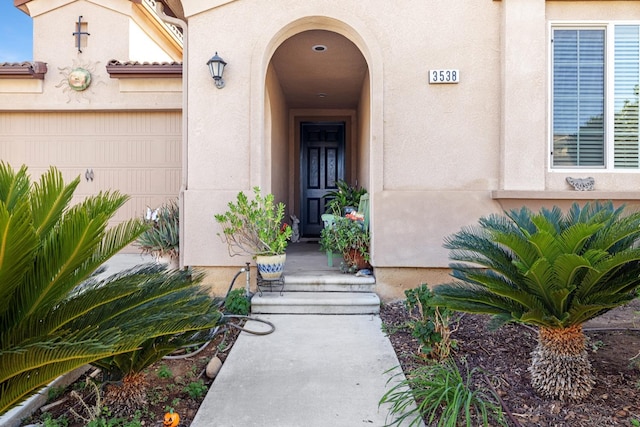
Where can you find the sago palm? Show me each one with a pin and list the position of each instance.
(550, 269)
(55, 314)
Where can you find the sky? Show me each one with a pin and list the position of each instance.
(16, 34)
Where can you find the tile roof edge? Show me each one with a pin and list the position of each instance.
(135, 69)
(23, 70)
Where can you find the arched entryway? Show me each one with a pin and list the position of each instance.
(318, 109)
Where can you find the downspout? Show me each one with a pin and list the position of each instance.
(185, 98)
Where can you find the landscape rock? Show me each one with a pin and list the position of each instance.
(213, 367)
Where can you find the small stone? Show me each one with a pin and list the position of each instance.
(213, 367)
(604, 396)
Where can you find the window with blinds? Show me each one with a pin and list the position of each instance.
(626, 79)
(591, 127)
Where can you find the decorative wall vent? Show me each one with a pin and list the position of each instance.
(582, 184)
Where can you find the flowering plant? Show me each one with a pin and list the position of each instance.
(163, 235)
(254, 227)
(355, 216)
(346, 235)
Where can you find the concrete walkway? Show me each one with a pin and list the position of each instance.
(314, 370)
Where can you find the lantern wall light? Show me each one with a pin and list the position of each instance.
(216, 68)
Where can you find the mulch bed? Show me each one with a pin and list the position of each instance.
(504, 356)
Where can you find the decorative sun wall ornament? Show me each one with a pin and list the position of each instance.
(77, 79)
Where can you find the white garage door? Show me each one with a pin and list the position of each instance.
(137, 153)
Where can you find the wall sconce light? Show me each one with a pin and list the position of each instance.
(216, 68)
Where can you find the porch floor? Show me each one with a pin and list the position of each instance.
(305, 257)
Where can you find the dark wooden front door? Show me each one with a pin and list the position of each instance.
(322, 165)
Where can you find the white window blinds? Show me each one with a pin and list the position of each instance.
(578, 97)
(626, 80)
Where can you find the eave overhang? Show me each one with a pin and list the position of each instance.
(134, 69)
(23, 70)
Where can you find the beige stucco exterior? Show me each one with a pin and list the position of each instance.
(434, 157)
(127, 132)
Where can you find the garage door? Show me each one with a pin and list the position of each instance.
(137, 153)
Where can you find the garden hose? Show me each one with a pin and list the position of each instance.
(255, 319)
(224, 320)
(218, 330)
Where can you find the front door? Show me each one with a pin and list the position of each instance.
(322, 165)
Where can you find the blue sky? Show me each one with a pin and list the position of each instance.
(16, 34)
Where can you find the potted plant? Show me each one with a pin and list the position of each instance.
(348, 236)
(162, 238)
(344, 199)
(256, 228)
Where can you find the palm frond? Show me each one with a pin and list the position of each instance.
(29, 357)
(57, 315)
(49, 200)
(17, 243)
(575, 237)
(472, 299)
(604, 275)
(14, 186)
(499, 285)
(569, 268)
(596, 305)
(545, 263)
(61, 256)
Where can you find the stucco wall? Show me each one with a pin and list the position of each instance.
(363, 135)
(53, 25)
(278, 145)
(422, 122)
(435, 157)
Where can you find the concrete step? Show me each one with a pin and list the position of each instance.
(329, 287)
(332, 282)
(315, 303)
(324, 278)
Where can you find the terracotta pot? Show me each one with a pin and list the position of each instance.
(271, 267)
(354, 258)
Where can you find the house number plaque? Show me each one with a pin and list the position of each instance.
(444, 76)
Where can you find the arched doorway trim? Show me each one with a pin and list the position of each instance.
(357, 33)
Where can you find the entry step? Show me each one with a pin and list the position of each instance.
(315, 303)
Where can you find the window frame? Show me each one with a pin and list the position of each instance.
(609, 94)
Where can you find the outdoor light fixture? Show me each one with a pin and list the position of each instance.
(216, 68)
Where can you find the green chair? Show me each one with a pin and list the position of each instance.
(363, 208)
(329, 221)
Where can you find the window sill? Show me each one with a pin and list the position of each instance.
(564, 195)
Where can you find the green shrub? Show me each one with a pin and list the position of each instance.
(237, 303)
(164, 371)
(196, 389)
(254, 227)
(553, 270)
(49, 421)
(429, 323)
(55, 392)
(57, 314)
